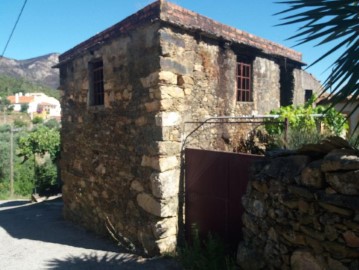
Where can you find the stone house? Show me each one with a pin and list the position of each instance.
(128, 94)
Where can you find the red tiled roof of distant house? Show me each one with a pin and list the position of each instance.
(22, 99)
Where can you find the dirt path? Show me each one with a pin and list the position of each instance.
(35, 236)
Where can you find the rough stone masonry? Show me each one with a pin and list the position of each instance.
(302, 210)
(162, 66)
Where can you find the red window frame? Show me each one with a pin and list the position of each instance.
(244, 81)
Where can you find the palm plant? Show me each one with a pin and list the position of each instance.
(335, 22)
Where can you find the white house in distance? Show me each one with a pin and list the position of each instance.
(39, 104)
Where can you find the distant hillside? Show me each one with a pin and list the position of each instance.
(11, 85)
(36, 70)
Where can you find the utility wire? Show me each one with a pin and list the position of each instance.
(13, 29)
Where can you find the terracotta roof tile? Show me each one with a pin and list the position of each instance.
(22, 99)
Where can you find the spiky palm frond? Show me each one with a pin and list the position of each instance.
(335, 22)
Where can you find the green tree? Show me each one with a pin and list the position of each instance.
(4, 104)
(24, 177)
(40, 141)
(52, 123)
(18, 123)
(4, 153)
(24, 107)
(37, 120)
(35, 146)
(23, 173)
(335, 23)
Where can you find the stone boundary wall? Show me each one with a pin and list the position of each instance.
(302, 212)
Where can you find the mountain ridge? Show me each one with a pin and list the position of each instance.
(37, 70)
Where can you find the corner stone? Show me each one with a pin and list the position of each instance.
(165, 184)
(168, 77)
(167, 245)
(161, 164)
(163, 208)
(168, 119)
(165, 228)
(168, 92)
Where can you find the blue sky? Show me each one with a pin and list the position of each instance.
(48, 26)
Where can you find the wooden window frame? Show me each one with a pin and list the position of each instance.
(97, 89)
(244, 81)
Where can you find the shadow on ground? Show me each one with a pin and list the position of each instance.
(44, 222)
(111, 262)
(14, 203)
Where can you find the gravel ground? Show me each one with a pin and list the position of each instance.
(36, 237)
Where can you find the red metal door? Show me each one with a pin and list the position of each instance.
(215, 183)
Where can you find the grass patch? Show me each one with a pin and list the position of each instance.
(210, 254)
(297, 138)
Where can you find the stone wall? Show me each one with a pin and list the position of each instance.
(203, 85)
(304, 81)
(110, 173)
(302, 212)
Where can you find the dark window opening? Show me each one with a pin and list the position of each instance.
(286, 85)
(97, 92)
(244, 81)
(307, 95)
(63, 72)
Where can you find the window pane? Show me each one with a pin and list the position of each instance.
(243, 81)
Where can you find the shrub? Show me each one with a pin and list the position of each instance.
(300, 118)
(37, 120)
(10, 109)
(303, 126)
(46, 175)
(4, 190)
(209, 254)
(5, 128)
(296, 138)
(52, 124)
(24, 180)
(20, 123)
(4, 153)
(24, 107)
